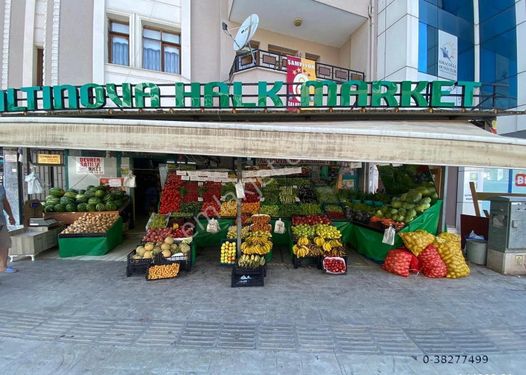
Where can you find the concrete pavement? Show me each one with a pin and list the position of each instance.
(82, 317)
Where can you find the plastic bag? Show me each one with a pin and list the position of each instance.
(212, 226)
(33, 184)
(432, 263)
(474, 236)
(398, 261)
(389, 236)
(279, 226)
(129, 181)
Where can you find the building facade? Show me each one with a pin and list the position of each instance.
(52, 42)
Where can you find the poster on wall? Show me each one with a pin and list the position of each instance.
(447, 55)
(89, 165)
(299, 71)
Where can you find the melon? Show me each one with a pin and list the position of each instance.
(166, 253)
(157, 250)
(169, 240)
(140, 250)
(149, 246)
(165, 246)
(147, 255)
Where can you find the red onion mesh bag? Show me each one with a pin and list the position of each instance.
(432, 263)
(397, 261)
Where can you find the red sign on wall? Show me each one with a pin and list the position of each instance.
(520, 179)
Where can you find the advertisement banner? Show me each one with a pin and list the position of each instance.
(114, 182)
(447, 55)
(90, 165)
(299, 71)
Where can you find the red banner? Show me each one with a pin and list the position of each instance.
(299, 71)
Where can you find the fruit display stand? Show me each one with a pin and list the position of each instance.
(368, 241)
(90, 244)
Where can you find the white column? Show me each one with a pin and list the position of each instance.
(28, 47)
(186, 52)
(5, 45)
(99, 38)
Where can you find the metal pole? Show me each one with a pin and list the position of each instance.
(444, 199)
(238, 220)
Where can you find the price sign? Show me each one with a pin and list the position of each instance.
(520, 179)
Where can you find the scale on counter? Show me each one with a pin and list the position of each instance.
(40, 222)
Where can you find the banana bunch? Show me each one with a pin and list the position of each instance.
(303, 241)
(319, 241)
(257, 243)
(300, 251)
(232, 232)
(250, 261)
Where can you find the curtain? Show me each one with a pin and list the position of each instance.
(119, 53)
(171, 61)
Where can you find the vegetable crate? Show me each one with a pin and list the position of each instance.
(139, 266)
(185, 263)
(306, 261)
(248, 277)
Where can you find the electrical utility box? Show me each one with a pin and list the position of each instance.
(507, 235)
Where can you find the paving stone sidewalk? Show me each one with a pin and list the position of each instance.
(69, 316)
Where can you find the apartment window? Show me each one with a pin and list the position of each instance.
(39, 74)
(282, 50)
(119, 43)
(161, 51)
(311, 56)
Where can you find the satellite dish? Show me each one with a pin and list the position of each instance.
(246, 32)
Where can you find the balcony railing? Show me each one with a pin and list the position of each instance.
(276, 61)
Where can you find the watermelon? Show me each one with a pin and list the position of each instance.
(66, 200)
(70, 194)
(59, 207)
(49, 208)
(91, 207)
(110, 206)
(117, 193)
(99, 193)
(73, 191)
(118, 203)
(100, 207)
(51, 200)
(82, 207)
(81, 198)
(56, 192)
(71, 207)
(94, 200)
(108, 198)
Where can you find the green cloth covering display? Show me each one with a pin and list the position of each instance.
(368, 242)
(77, 246)
(204, 239)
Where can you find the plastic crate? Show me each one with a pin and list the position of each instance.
(184, 263)
(306, 261)
(139, 266)
(242, 277)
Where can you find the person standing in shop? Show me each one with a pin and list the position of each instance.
(5, 240)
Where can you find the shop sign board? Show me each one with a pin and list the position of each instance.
(447, 55)
(195, 95)
(49, 159)
(89, 165)
(520, 180)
